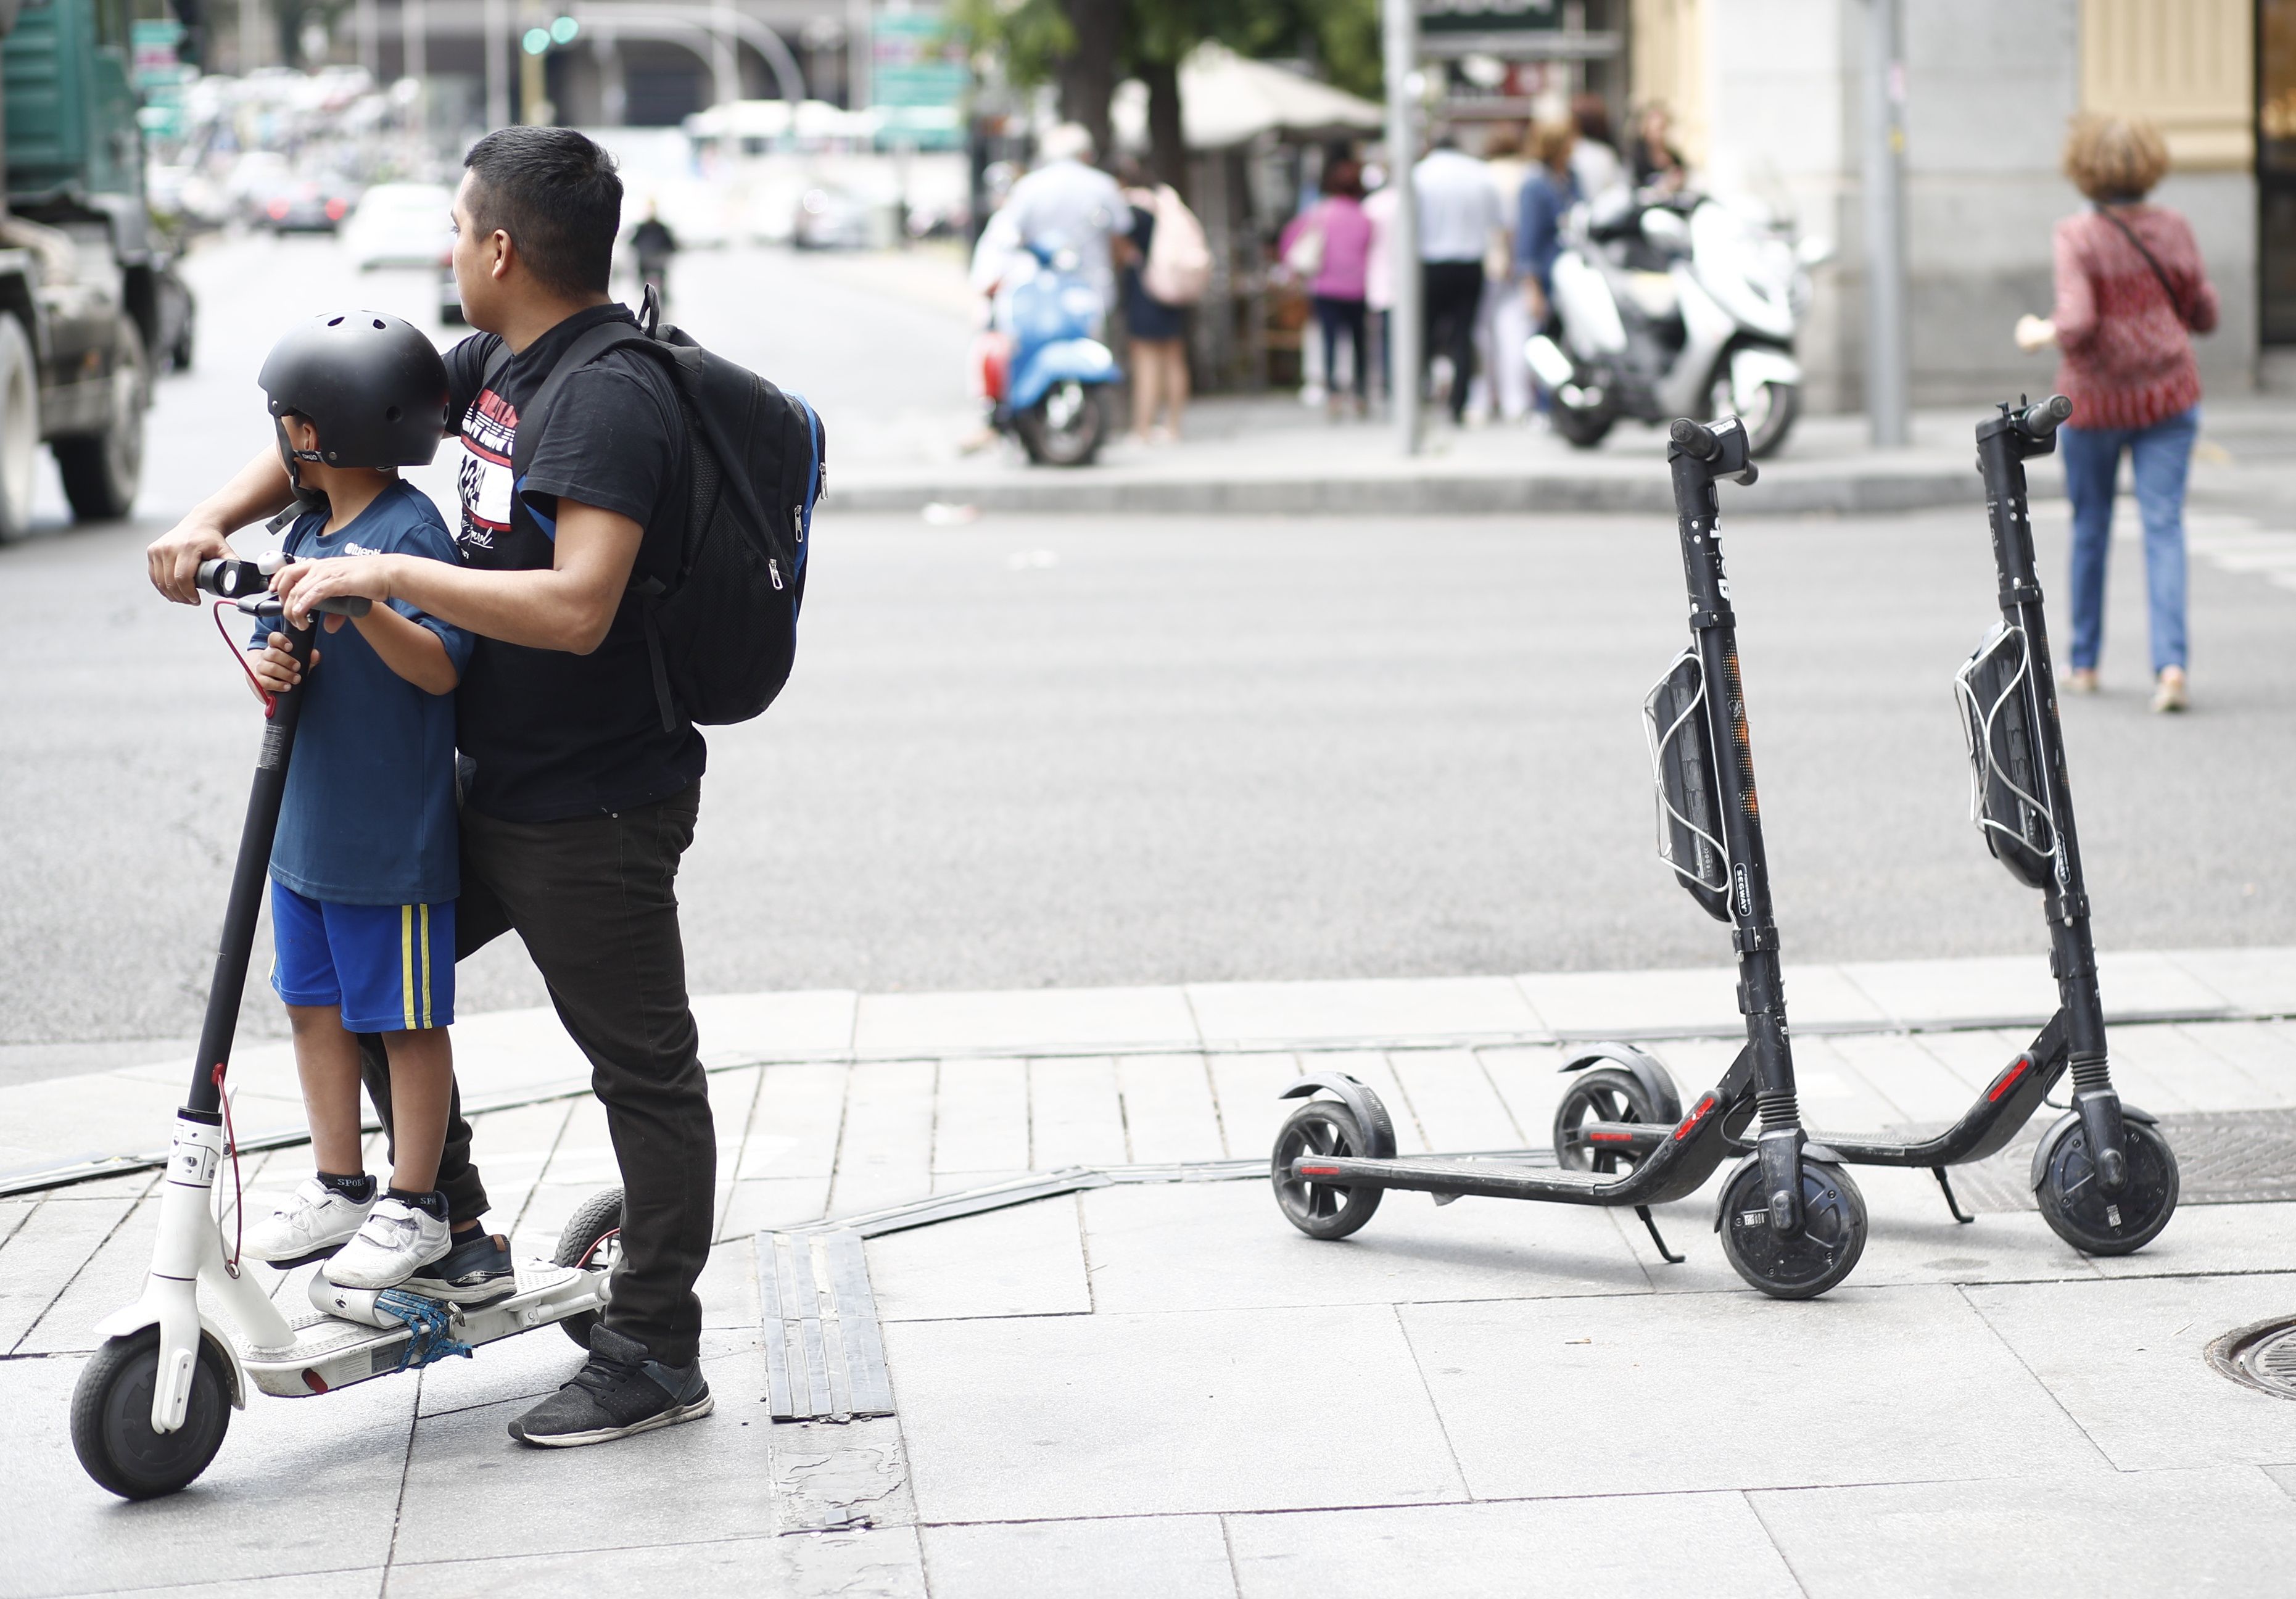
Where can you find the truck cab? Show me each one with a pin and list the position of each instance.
(89, 298)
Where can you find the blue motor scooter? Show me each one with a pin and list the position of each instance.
(1051, 392)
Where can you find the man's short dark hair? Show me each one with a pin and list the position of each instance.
(555, 193)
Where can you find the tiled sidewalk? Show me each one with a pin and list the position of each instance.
(1165, 1390)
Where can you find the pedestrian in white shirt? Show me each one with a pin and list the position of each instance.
(1503, 325)
(1458, 213)
(1067, 201)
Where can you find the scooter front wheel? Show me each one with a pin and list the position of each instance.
(2077, 1208)
(593, 1238)
(1797, 1265)
(111, 1418)
(1320, 1126)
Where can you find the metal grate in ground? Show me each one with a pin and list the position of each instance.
(2223, 1157)
(2259, 1356)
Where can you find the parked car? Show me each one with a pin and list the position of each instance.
(308, 205)
(399, 224)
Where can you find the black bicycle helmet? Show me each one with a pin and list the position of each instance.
(372, 384)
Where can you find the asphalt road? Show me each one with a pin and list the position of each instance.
(1055, 752)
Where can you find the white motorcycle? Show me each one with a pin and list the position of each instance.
(1681, 307)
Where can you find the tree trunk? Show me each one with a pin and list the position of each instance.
(1088, 77)
(1168, 148)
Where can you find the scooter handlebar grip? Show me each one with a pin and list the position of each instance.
(2043, 417)
(1694, 439)
(348, 606)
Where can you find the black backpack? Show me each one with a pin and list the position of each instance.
(722, 629)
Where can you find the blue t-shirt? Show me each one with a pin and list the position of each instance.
(369, 816)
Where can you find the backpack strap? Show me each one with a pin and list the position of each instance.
(2175, 301)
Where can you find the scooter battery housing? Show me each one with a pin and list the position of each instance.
(2008, 783)
(1689, 795)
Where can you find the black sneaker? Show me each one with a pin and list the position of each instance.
(477, 1269)
(618, 1392)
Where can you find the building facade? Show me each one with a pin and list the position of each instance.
(1768, 97)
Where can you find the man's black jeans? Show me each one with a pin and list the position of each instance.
(594, 899)
(1455, 292)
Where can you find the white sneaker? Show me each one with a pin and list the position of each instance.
(310, 1221)
(396, 1242)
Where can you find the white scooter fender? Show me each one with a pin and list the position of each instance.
(1591, 322)
(189, 1250)
(1754, 365)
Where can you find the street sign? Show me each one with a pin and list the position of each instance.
(1511, 29)
(918, 78)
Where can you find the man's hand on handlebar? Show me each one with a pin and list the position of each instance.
(172, 559)
(302, 585)
(275, 667)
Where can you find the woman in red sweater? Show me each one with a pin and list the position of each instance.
(2131, 290)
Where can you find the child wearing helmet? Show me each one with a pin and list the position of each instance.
(364, 872)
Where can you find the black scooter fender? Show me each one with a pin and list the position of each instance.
(2047, 1149)
(1369, 1113)
(1656, 1080)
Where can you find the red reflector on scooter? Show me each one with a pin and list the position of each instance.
(1610, 1137)
(1318, 1171)
(1698, 1113)
(313, 1381)
(2001, 1084)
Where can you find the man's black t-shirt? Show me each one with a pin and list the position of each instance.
(553, 735)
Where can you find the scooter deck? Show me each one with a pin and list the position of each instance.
(330, 1351)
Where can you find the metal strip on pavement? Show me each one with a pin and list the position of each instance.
(824, 1353)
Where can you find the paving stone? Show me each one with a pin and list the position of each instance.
(2260, 981)
(1455, 1102)
(1075, 1115)
(1944, 993)
(884, 1155)
(1043, 1418)
(1246, 1087)
(1235, 1015)
(840, 1476)
(512, 1149)
(2041, 1537)
(756, 1027)
(1129, 1557)
(113, 1276)
(980, 1115)
(1912, 1238)
(2265, 1052)
(2185, 1069)
(46, 1253)
(754, 1207)
(1757, 1392)
(343, 1455)
(2123, 1359)
(1168, 1111)
(1662, 1545)
(349, 1585)
(794, 1124)
(583, 1155)
(1024, 1260)
(1913, 1084)
(1024, 1022)
(865, 1565)
(1578, 1006)
(1226, 1246)
(2213, 1240)
(532, 1365)
(550, 1501)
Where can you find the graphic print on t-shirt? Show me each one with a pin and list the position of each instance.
(489, 430)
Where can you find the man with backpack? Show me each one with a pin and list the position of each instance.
(619, 493)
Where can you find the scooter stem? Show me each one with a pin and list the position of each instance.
(228, 986)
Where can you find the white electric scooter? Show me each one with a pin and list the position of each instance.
(150, 1407)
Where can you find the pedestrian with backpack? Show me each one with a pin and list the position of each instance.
(631, 546)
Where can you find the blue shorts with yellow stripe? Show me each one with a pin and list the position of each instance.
(390, 968)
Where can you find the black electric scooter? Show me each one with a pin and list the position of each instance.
(151, 1407)
(1793, 1222)
(2105, 1180)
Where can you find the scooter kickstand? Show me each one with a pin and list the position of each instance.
(1664, 1253)
(1950, 1204)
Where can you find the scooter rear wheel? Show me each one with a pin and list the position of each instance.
(1064, 427)
(111, 1418)
(2082, 1214)
(593, 1237)
(1320, 1126)
(1803, 1265)
(1608, 1095)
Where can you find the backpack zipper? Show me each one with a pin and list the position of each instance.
(774, 570)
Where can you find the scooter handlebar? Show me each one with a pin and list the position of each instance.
(1694, 437)
(1724, 448)
(246, 582)
(2043, 417)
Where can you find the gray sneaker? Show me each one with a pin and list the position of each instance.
(475, 1271)
(618, 1392)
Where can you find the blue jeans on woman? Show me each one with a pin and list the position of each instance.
(2159, 457)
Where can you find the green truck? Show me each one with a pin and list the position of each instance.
(89, 300)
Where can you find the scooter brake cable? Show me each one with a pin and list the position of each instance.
(240, 655)
(238, 1192)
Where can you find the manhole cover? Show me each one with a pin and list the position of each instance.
(2262, 1355)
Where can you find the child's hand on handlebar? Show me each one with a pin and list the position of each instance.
(301, 585)
(275, 667)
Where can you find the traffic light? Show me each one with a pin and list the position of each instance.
(562, 32)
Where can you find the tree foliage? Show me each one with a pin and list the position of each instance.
(1036, 38)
